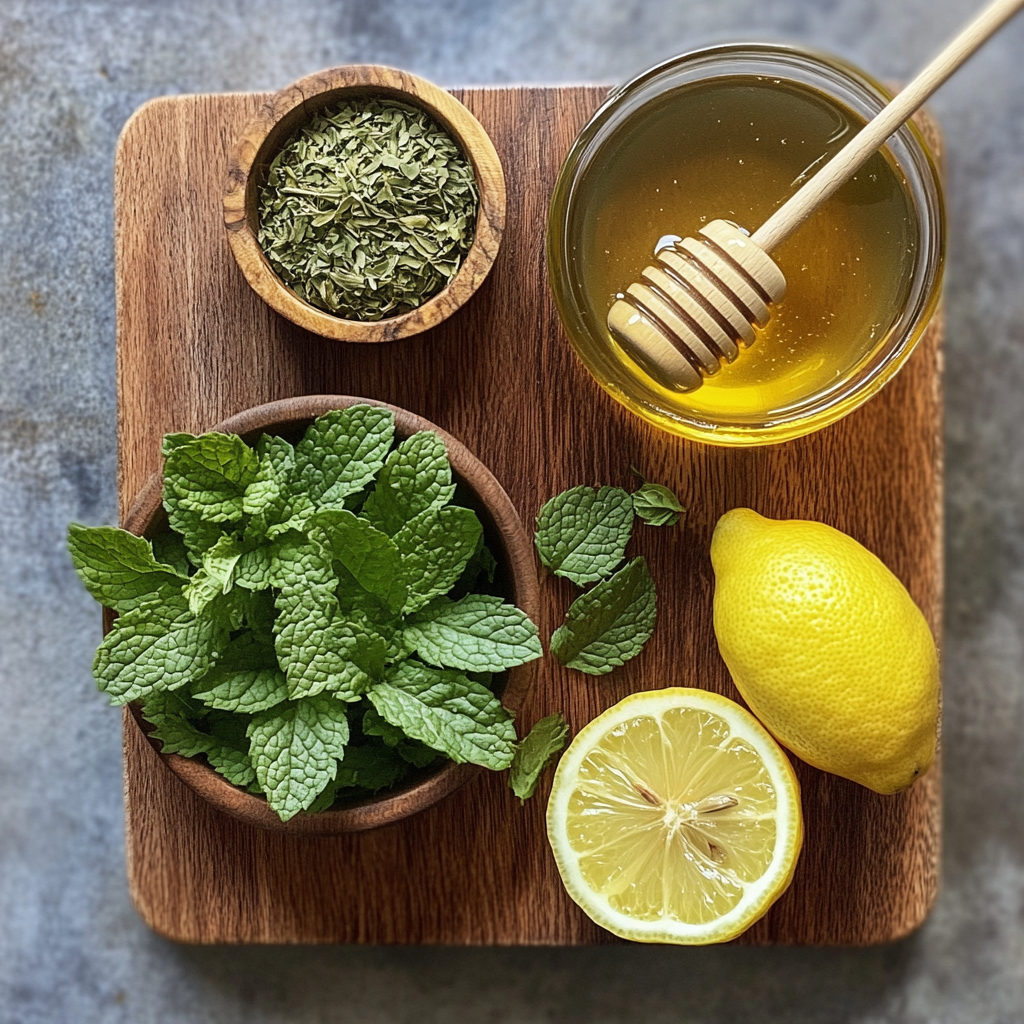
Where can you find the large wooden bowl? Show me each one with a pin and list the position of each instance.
(280, 116)
(516, 577)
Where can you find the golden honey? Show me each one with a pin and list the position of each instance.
(736, 147)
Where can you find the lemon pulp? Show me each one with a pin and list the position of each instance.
(674, 817)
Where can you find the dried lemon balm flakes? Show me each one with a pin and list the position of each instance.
(675, 817)
(368, 210)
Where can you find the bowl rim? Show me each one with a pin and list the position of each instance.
(275, 121)
(144, 512)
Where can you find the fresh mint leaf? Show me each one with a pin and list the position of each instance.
(582, 533)
(479, 633)
(298, 562)
(160, 645)
(609, 624)
(534, 753)
(376, 725)
(252, 571)
(208, 475)
(197, 534)
(342, 451)
(169, 715)
(447, 712)
(368, 554)
(169, 549)
(656, 505)
(318, 651)
(295, 748)
(216, 575)
(435, 547)
(268, 492)
(118, 568)
(243, 690)
(416, 477)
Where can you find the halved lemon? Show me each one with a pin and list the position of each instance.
(675, 817)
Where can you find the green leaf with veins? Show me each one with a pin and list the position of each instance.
(319, 651)
(297, 561)
(609, 624)
(447, 712)
(368, 554)
(252, 570)
(118, 568)
(416, 476)
(216, 574)
(479, 633)
(656, 505)
(435, 547)
(246, 677)
(160, 645)
(268, 492)
(169, 549)
(342, 451)
(178, 735)
(295, 748)
(208, 476)
(534, 753)
(197, 534)
(243, 690)
(582, 533)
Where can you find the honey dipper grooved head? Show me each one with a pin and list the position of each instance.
(695, 305)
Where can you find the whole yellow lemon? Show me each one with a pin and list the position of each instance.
(827, 647)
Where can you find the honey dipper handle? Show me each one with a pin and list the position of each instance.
(788, 217)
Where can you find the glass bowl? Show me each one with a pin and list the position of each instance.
(615, 135)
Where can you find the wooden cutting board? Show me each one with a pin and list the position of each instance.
(195, 345)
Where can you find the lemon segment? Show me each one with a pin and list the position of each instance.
(675, 817)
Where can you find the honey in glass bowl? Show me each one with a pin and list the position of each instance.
(731, 133)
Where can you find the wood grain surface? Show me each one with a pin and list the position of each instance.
(195, 345)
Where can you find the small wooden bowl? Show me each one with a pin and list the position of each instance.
(280, 116)
(516, 577)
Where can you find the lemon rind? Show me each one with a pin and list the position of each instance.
(758, 896)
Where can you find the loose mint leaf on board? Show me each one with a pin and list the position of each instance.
(479, 633)
(447, 712)
(416, 476)
(118, 568)
(159, 645)
(534, 753)
(342, 451)
(435, 547)
(582, 533)
(369, 555)
(295, 749)
(179, 735)
(208, 475)
(656, 505)
(610, 624)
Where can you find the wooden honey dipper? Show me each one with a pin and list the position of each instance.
(698, 303)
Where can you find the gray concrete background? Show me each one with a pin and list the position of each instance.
(72, 950)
